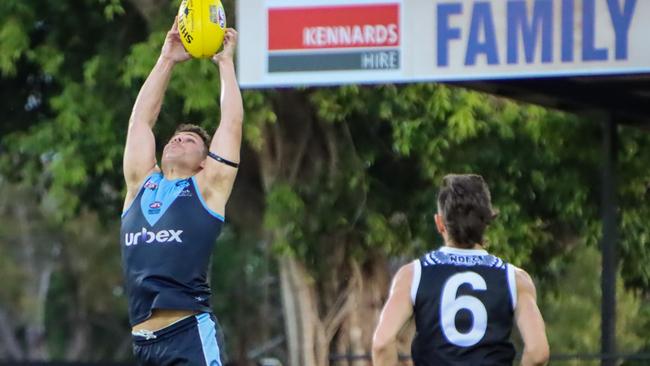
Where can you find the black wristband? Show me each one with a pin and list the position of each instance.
(222, 160)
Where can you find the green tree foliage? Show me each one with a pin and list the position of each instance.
(575, 303)
(63, 295)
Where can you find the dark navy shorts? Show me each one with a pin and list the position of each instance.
(196, 340)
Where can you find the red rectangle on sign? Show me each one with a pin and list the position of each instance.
(333, 27)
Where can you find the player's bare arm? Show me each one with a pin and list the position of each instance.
(218, 176)
(140, 150)
(530, 322)
(396, 313)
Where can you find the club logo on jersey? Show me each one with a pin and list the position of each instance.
(150, 185)
(185, 193)
(148, 237)
(154, 208)
(182, 183)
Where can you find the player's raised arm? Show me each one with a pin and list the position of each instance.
(530, 322)
(140, 149)
(221, 166)
(396, 313)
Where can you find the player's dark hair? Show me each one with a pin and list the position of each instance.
(188, 127)
(465, 205)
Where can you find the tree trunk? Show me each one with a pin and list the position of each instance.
(8, 338)
(290, 320)
(300, 310)
(78, 344)
(366, 300)
(38, 267)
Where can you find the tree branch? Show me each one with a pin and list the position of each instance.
(150, 9)
(342, 305)
(332, 149)
(300, 153)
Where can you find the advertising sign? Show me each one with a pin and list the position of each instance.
(325, 42)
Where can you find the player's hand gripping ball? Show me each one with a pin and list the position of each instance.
(202, 26)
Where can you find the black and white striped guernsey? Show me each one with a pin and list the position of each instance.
(464, 301)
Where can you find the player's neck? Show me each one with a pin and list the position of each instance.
(176, 172)
(453, 245)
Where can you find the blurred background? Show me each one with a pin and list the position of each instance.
(336, 190)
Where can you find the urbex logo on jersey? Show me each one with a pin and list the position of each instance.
(145, 236)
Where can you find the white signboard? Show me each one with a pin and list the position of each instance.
(325, 42)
